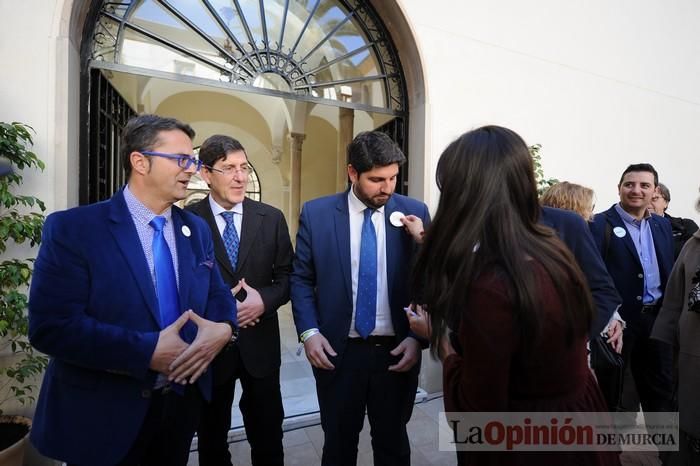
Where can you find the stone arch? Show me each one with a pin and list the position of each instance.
(74, 19)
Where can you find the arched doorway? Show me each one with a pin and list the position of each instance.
(325, 59)
(293, 80)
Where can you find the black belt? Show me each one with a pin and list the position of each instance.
(376, 340)
(650, 308)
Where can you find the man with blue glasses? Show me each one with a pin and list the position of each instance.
(128, 301)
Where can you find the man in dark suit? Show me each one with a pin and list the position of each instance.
(637, 248)
(573, 231)
(348, 289)
(257, 270)
(127, 300)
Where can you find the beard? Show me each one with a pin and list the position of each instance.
(375, 202)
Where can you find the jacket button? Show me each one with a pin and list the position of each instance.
(146, 393)
(639, 298)
(641, 275)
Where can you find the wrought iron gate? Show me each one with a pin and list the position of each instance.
(101, 172)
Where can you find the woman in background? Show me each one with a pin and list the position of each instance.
(511, 291)
(570, 196)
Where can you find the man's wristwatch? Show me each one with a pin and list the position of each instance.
(234, 332)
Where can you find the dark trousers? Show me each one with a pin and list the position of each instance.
(688, 453)
(167, 430)
(362, 382)
(261, 407)
(651, 364)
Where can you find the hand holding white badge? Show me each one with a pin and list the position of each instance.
(395, 218)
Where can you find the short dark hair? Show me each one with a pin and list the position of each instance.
(141, 133)
(665, 193)
(217, 147)
(372, 149)
(640, 167)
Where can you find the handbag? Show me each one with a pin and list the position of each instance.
(609, 367)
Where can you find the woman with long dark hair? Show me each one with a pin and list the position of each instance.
(509, 289)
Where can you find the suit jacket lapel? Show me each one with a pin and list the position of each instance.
(342, 235)
(124, 232)
(392, 245)
(657, 234)
(252, 220)
(185, 257)
(204, 211)
(617, 222)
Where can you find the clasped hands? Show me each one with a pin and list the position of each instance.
(251, 308)
(183, 362)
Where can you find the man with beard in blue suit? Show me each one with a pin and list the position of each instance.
(128, 302)
(348, 290)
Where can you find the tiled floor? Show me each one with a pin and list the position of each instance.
(303, 446)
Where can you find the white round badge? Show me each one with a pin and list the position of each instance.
(186, 230)
(619, 232)
(395, 218)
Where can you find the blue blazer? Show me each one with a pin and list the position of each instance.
(321, 286)
(93, 310)
(622, 261)
(573, 231)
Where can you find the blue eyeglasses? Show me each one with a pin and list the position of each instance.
(184, 161)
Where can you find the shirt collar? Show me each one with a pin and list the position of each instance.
(357, 206)
(216, 208)
(140, 212)
(629, 218)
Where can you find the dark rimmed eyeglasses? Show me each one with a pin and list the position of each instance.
(184, 161)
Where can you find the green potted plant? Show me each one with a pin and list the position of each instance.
(542, 182)
(21, 220)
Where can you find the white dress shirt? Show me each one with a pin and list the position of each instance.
(356, 208)
(216, 209)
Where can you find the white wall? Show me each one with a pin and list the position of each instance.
(25, 91)
(599, 83)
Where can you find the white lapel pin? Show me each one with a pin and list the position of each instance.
(186, 230)
(619, 232)
(395, 218)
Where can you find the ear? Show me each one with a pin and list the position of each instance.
(352, 173)
(205, 174)
(139, 163)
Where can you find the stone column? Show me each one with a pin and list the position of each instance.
(296, 140)
(346, 121)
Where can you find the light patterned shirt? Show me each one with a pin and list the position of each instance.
(142, 215)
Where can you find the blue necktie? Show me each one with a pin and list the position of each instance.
(366, 304)
(166, 285)
(231, 240)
